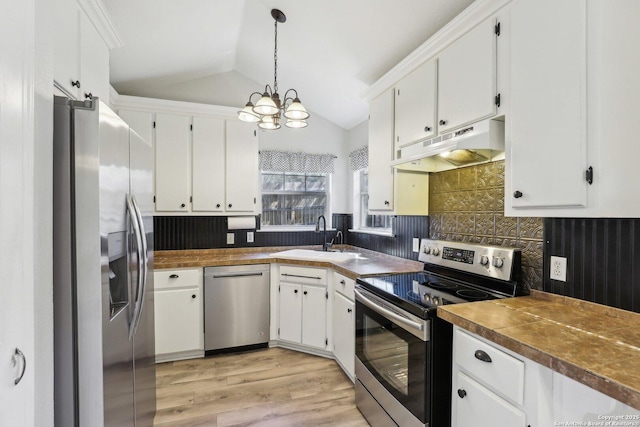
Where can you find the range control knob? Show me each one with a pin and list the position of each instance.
(435, 251)
(497, 262)
(484, 260)
(426, 297)
(427, 250)
(435, 300)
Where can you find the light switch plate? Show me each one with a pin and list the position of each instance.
(231, 238)
(416, 244)
(249, 236)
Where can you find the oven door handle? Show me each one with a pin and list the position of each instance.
(388, 313)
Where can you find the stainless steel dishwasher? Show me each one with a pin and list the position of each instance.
(236, 306)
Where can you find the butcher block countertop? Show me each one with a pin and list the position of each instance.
(596, 345)
(369, 263)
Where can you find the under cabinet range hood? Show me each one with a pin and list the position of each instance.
(477, 143)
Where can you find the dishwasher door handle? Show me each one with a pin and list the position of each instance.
(222, 276)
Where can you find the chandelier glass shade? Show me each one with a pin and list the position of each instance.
(268, 110)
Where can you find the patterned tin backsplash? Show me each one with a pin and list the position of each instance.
(467, 204)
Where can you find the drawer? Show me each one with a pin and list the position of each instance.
(503, 373)
(177, 278)
(303, 275)
(344, 285)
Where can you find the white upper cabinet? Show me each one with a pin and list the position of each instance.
(570, 130)
(381, 145)
(547, 118)
(172, 157)
(242, 166)
(415, 105)
(208, 164)
(467, 78)
(82, 39)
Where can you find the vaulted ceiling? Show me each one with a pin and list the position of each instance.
(219, 51)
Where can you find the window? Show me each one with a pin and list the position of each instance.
(294, 199)
(365, 221)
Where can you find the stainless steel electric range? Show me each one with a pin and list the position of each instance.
(403, 351)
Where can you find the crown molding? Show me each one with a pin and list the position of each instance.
(168, 106)
(98, 15)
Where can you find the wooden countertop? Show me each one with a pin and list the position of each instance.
(596, 345)
(370, 264)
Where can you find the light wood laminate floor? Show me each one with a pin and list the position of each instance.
(269, 387)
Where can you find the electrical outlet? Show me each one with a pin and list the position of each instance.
(231, 237)
(416, 244)
(558, 268)
(249, 236)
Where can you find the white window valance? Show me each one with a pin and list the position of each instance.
(287, 161)
(359, 159)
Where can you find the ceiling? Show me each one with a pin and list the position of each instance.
(219, 51)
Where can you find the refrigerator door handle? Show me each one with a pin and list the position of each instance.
(139, 247)
(144, 265)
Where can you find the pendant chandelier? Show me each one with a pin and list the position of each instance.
(268, 111)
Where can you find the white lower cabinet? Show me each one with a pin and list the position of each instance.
(343, 323)
(302, 306)
(178, 305)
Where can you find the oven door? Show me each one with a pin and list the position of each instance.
(395, 348)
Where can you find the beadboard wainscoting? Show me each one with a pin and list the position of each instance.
(467, 205)
(603, 259)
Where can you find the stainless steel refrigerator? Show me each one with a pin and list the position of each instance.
(104, 359)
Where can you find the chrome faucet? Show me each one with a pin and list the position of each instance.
(339, 233)
(324, 231)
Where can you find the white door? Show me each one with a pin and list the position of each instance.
(94, 62)
(314, 316)
(208, 164)
(290, 315)
(242, 167)
(177, 320)
(344, 332)
(381, 152)
(17, 225)
(172, 163)
(66, 45)
(467, 78)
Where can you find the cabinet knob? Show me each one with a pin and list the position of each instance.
(349, 310)
(295, 291)
(230, 205)
(386, 203)
(193, 296)
(76, 83)
(173, 276)
(517, 194)
(342, 282)
(217, 205)
(427, 128)
(442, 122)
(462, 393)
(88, 95)
(182, 205)
(305, 292)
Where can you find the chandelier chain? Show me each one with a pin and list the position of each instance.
(275, 60)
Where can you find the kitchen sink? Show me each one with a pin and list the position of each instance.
(317, 255)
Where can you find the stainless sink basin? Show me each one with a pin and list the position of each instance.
(317, 255)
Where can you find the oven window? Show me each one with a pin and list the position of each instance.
(387, 354)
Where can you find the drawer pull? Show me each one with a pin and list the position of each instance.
(342, 282)
(462, 393)
(173, 276)
(193, 296)
(483, 356)
(302, 277)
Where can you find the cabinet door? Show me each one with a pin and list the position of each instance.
(172, 163)
(344, 332)
(290, 316)
(94, 62)
(415, 105)
(547, 119)
(381, 152)
(208, 164)
(477, 406)
(467, 77)
(178, 320)
(242, 167)
(66, 42)
(314, 316)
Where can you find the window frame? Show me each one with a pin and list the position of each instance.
(361, 212)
